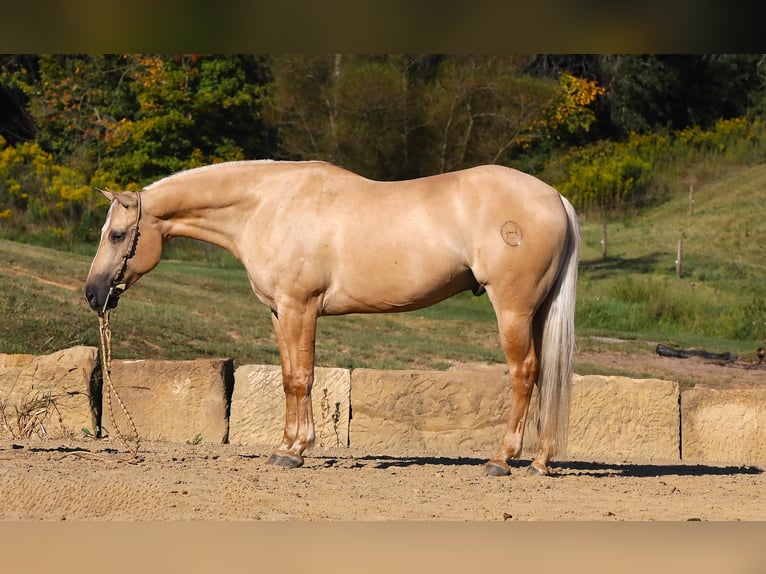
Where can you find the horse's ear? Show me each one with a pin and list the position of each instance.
(107, 194)
(126, 198)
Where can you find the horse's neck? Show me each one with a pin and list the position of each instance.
(214, 215)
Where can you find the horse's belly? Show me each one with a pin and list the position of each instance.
(396, 291)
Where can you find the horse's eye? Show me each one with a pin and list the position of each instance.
(117, 235)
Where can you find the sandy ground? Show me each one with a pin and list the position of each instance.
(47, 481)
(55, 481)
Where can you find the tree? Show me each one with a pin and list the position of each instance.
(392, 117)
(486, 110)
(16, 123)
(357, 111)
(646, 92)
(76, 102)
(372, 120)
(191, 110)
(302, 106)
(121, 121)
(650, 92)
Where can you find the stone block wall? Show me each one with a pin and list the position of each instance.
(178, 401)
(724, 425)
(451, 412)
(455, 412)
(51, 396)
(258, 406)
(623, 418)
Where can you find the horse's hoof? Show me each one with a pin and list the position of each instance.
(537, 469)
(275, 458)
(291, 461)
(285, 460)
(497, 469)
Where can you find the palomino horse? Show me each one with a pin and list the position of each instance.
(316, 240)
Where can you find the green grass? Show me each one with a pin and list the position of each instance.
(198, 303)
(719, 302)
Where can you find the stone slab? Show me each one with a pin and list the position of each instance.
(617, 418)
(464, 411)
(724, 425)
(258, 406)
(457, 412)
(174, 401)
(49, 395)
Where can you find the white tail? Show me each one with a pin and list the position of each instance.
(558, 344)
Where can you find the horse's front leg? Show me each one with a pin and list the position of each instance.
(295, 330)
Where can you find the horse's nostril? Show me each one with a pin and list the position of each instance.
(90, 295)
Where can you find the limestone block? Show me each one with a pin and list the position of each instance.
(621, 418)
(464, 411)
(724, 425)
(50, 395)
(455, 412)
(258, 405)
(175, 401)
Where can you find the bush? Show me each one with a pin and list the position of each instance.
(607, 175)
(36, 192)
(616, 175)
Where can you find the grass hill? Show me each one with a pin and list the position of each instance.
(188, 309)
(719, 300)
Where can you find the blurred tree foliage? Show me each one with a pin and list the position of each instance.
(393, 117)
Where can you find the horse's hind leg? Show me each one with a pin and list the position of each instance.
(516, 339)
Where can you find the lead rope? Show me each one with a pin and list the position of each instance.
(105, 335)
(105, 332)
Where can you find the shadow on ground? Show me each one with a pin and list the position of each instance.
(560, 468)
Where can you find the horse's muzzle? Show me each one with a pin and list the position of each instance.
(101, 299)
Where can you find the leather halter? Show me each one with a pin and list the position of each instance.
(118, 286)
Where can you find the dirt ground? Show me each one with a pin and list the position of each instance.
(744, 372)
(54, 481)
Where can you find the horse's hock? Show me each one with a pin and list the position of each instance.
(460, 412)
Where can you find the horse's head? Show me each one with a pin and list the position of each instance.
(130, 247)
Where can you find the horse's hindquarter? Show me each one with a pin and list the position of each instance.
(372, 246)
(523, 236)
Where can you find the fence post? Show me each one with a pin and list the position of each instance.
(691, 199)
